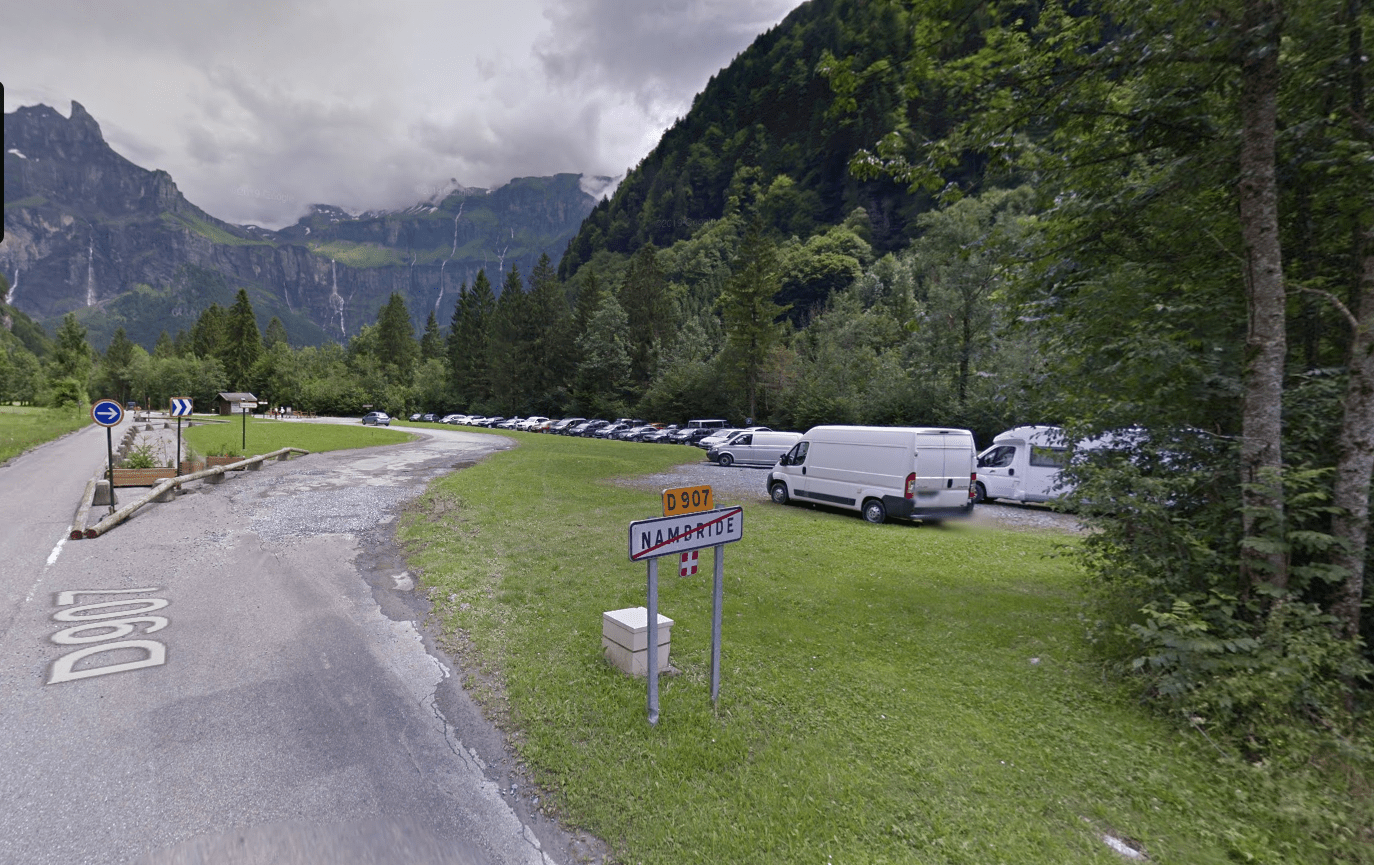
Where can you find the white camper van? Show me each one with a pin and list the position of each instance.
(1023, 465)
(923, 473)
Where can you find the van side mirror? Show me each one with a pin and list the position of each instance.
(784, 460)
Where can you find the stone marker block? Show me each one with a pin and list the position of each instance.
(254, 467)
(103, 495)
(217, 478)
(625, 639)
(167, 495)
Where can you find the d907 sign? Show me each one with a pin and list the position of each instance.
(687, 500)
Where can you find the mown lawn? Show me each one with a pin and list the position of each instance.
(24, 427)
(890, 693)
(264, 436)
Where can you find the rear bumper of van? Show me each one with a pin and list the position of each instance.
(903, 508)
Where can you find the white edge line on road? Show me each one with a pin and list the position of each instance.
(52, 560)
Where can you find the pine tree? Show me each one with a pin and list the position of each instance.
(72, 355)
(644, 297)
(749, 312)
(275, 335)
(551, 350)
(396, 346)
(164, 348)
(208, 333)
(115, 373)
(432, 342)
(242, 345)
(468, 342)
(508, 351)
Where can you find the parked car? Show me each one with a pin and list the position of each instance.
(430, 417)
(660, 435)
(587, 428)
(416, 416)
(719, 437)
(377, 418)
(711, 423)
(636, 433)
(611, 429)
(690, 436)
(450, 418)
(532, 423)
(564, 426)
(490, 422)
(754, 448)
(924, 473)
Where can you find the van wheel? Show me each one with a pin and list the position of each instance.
(874, 511)
(779, 493)
(726, 460)
(980, 493)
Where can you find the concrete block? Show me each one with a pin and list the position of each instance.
(167, 495)
(103, 494)
(625, 639)
(255, 467)
(215, 478)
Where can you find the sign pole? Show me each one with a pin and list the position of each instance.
(245, 429)
(653, 641)
(178, 445)
(109, 450)
(718, 596)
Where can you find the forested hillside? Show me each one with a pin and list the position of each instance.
(1149, 224)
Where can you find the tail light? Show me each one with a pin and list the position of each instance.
(911, 485)
(973, 485)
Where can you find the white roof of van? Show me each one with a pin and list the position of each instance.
(1049, 436)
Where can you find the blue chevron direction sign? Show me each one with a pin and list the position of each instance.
(181, 406)
(107, 413)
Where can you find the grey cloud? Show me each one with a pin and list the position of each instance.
(259, 108)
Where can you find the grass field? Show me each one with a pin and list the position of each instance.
(23, 427)
(889, 693)
(265, 436)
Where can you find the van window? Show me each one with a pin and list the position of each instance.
(1049, 458)
(797, 455)
(743, 440)
(998, 458)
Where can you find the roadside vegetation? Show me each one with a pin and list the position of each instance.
(265, 436)
(889, 694)
(24, 427)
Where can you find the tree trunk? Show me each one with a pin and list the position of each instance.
(1266, 340)
(1355, 455)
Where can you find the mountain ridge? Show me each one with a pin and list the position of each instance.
(91, 232)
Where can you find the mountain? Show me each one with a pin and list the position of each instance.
(86, 230)
(771, 121)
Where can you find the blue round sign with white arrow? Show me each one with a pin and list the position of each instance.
(107, 413)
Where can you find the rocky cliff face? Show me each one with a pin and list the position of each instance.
(86, 230)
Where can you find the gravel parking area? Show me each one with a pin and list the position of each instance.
(744, 485)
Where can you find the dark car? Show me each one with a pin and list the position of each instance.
(691, 436)
(588, 427)
(430, 418)
(491, 421)
(377, 418)
(416, 416)
(664, 435)
(565, 426)
(610, 430)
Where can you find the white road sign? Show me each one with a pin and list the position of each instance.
(666, 536)
(181, 406)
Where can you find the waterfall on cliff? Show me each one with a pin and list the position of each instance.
(336, 302)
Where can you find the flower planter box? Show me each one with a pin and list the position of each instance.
(141, 477)
(187, 466)
(211, 462)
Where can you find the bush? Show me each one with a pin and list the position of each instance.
(141, 457)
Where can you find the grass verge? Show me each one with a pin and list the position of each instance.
(264, 436)
(24, 427)
(889, 693)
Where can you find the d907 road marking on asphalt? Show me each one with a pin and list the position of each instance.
(107, 621)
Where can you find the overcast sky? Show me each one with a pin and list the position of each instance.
(259, 108)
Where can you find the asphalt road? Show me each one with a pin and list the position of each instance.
(236, 676)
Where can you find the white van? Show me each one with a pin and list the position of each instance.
(754, 448)
(923, 473)
(1023, 465)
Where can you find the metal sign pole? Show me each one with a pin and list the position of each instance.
(718, 595)
(178, 445)
(109, 450)
(653, 641)
(245, 429)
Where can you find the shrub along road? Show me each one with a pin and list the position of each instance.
(278, 697)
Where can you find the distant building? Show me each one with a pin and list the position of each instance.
(233, 403)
